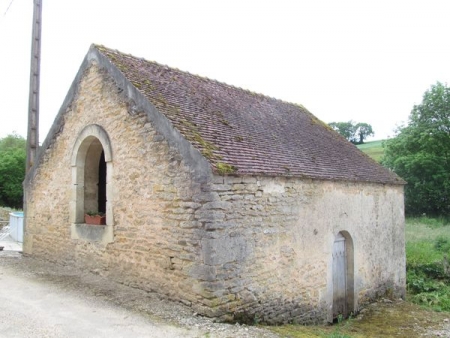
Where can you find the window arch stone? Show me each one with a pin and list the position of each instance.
(91, 148)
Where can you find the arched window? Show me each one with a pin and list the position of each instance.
(91, 183)
(95, 171)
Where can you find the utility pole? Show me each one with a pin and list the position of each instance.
(33, 100)
(33, 108)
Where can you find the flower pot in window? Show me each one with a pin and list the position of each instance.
(96, 219)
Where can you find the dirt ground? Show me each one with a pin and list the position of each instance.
(67, 299)
(43, 299)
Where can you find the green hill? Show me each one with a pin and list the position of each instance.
(374, 149)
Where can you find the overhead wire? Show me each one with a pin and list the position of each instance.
(7, 9)
(2, 18)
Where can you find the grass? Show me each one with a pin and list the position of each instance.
(374, 149)
(427, 262)
(402, 319)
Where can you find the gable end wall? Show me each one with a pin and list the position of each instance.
(152, 200)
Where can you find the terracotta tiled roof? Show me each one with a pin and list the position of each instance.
(241, 132)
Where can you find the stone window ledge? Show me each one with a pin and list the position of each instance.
(92, 233)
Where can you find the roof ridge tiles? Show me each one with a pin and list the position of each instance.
(198, 76)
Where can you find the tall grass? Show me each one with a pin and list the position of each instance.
(427, 264)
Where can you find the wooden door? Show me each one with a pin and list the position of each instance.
(339, 277)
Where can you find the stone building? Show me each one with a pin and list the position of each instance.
(239, 205)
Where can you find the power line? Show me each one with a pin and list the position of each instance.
(7, 9)
(2, 18)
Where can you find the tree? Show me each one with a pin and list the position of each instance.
(346, 129)
(420, 153)
(12, 170)
(363, 130)
(355, 133)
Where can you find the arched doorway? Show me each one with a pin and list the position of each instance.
(343, 275)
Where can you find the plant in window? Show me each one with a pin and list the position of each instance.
(95, 218)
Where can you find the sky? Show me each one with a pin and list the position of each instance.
(365, 61)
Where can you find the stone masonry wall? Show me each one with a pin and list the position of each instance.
(151, 198)
(267, 246)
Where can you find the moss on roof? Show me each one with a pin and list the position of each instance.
(241, 132)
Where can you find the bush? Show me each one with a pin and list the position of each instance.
(12, 170)
(437, 300)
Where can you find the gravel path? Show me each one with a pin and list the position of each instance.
(40, 299)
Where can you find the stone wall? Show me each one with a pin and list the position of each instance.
(152, 197)
(267, 243)
(238, 248)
